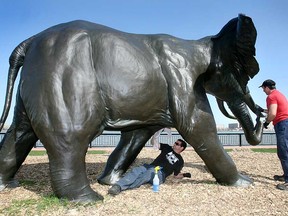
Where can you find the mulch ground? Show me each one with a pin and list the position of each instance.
(199, 195)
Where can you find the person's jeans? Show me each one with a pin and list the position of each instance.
(138, 176)
(281, 130)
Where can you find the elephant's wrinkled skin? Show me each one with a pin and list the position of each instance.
(80, 78)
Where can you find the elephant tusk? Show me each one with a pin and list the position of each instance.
(223, 110)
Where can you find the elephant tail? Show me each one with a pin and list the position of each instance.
(16, 61)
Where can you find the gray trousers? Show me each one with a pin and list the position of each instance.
(138, 176)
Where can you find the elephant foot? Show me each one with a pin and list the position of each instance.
(104, 180)
(243, 181)
(93, 197)
(82, 198)
(108, 179)
(11, 184)
(83, 194)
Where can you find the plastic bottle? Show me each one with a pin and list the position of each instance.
(156, 180)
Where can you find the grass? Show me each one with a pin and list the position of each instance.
(36, 206)
(43, 152)
(96, 152)
(37, 153)
(265, 150)
(48, 203)
(27, 182)
(261, 150)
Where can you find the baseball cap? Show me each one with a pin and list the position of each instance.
(268, 83)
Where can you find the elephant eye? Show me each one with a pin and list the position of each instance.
(219, 65)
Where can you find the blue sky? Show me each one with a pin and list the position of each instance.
(187, 19)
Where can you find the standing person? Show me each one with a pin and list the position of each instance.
(169, 160)
(277, 111)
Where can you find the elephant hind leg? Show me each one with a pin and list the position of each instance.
(66, 154)
(15, 146)
(129, 146)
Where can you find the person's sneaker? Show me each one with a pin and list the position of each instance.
(279, 178)
(114, 190)
(282, 186)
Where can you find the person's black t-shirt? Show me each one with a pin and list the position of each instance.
(170, 161)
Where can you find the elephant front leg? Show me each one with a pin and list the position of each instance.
(125, 153)
(219, 163)
(199, 130)
(206, 143)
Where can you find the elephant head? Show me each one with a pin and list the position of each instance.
(231, 67)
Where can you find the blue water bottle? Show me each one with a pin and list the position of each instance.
(156, 181)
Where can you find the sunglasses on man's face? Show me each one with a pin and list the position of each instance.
(178, 144)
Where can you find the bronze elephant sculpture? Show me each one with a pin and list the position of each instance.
(80, 78)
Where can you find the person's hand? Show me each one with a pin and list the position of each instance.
(266, 124)
(187, 175)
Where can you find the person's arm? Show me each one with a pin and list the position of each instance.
(182, 175)
(154, 140)
(272, 111)
(179, 176)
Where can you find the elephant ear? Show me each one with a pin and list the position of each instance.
(234, 47)
(245, 45)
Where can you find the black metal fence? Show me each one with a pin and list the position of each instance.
(111, 139)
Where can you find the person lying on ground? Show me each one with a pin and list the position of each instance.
(169, 160)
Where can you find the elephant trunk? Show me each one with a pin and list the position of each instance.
(253, 107)
(239, 109)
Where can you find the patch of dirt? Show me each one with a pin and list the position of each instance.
(199, 195)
